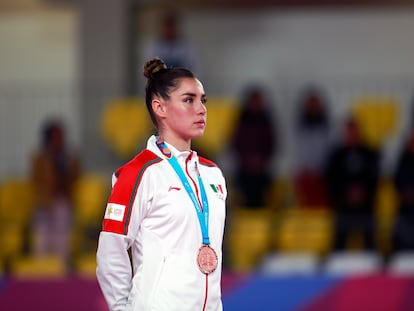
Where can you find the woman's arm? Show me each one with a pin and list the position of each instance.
(114, 270)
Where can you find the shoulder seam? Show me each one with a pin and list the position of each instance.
(141, 171)
(206, 162)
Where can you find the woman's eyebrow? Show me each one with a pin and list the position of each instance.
(193, 94)
(188, 94)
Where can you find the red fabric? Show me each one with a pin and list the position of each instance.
(206, 162)
(124, 191)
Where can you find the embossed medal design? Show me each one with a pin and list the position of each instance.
(207, 259)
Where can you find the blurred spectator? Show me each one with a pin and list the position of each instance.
(254, 143)
(171, 45)
(403, 233)
(312, 142)
(352, 175)
(53, 173)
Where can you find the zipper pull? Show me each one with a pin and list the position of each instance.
(196, 168)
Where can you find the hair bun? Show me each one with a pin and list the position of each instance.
(153, 66)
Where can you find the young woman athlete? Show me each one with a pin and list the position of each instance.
(160, 247)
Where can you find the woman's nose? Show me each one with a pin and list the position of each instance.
(201, 108)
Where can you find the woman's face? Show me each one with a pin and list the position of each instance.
(184, 114)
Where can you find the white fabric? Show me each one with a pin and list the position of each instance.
(164, 236)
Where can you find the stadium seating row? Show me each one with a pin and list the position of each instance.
(16, 210)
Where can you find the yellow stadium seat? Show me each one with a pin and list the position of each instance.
(386, 209)
(16, 201)
(377, 116)
(125, 124)
(30, 267)
(90, 195)
(16, 204)
(248, 238)
(281, 194)
(85, 265)
(304, 229)
(221, 116)
(11, 241)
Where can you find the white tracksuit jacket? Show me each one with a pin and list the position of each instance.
(150, 212)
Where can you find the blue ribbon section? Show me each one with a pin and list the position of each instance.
(202, 211)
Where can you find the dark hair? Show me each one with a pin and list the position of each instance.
(48, 129)
(161, 79)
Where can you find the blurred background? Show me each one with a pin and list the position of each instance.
(310, 117)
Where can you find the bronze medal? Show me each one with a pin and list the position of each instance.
(207, 259)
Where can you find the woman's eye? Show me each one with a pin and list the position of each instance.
(204, 101)
(189, 100)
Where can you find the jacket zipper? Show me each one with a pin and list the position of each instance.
(201, 205)
(194, 183)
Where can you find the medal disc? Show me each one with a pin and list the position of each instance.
(207, 259)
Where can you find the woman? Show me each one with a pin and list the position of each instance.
(167, 208)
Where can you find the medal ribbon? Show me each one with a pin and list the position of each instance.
(202, 211)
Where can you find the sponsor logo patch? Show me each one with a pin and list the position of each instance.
(115, 211)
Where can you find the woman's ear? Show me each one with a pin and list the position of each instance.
(158, 107)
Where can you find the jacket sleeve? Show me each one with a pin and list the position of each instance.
(114, 270)
(126, 207)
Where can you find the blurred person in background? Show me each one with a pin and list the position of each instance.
(54, 171)
(166, 208)
(254, 144)
(171, 45)
(403, 231)
(313, 130)
(352, 175)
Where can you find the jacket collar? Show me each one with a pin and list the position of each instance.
(180, 155)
